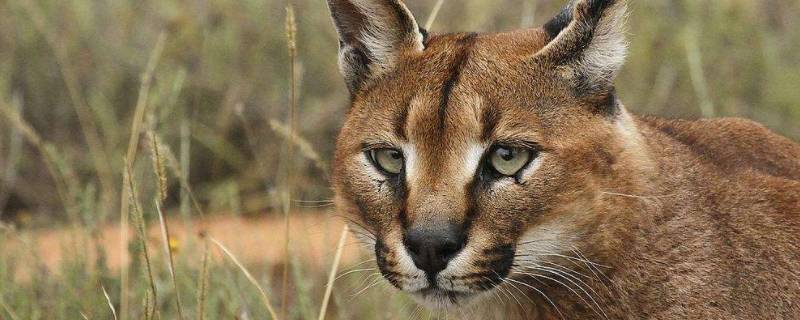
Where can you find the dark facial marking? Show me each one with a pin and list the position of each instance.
(489, 118)
(466, 42)
(401, 123)
(385, 264)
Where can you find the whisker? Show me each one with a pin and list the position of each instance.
(356, 223)
(532, 252)
(317, 206)
(617, 194)
(313, 201)
(363, 262)
(363, 234)
(351, 272)
(371, 285)
(580, 286)
(541, 293)
(567, 269)
(367, 279)
(576, 293)
(496, 292)
(508, 291)
(580, 254)
(560, 267)
(564, 275)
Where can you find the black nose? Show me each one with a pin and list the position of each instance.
(432, 248)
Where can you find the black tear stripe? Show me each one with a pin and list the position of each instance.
(466, 42)
(402, 216)
(472, 191)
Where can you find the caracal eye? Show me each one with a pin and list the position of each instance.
(388, 160)
(509, 161)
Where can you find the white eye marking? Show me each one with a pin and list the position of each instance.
(472, 160)
(535, 164)
(410, 152)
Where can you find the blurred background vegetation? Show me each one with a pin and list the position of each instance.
(218, 100)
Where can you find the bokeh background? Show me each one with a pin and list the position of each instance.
(87, 87)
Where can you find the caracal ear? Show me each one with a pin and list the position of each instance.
(588, 41)
(373, 34)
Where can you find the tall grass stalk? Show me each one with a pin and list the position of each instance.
(148, 310)
(159, 170)
(332, 275)
(304, 147)
(165, 237)
(142, 235)
(697, 76)
(8, 310)
(14, 155)
(130, 159)
(110, 304)
(203, 284)
(291, 39)
(433, 15)
(161, 177)
(185, 160)
(249, 276)
(85, 116)
(178, 169)
(528, 14)
(48, 153)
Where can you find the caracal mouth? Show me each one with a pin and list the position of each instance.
(441, 299)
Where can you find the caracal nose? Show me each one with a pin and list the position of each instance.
(432, 247)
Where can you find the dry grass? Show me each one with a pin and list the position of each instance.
(130, 159)
(334, 272)
(250, 277)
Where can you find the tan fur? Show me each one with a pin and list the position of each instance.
(645, 217)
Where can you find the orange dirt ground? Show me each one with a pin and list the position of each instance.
(313, 237)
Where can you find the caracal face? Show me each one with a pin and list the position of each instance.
(472, 161)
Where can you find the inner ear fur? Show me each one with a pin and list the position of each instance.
(373, 34)
(587, 39)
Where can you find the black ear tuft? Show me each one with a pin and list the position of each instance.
(590, 10)
(559, 22)
(587, 39)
